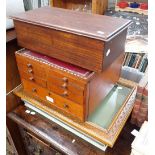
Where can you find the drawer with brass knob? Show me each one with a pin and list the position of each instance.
(33, 78)
(72, 93)
(27, 64)
(66, 105)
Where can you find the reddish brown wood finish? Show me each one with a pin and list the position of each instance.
(58, 101)
(104, 83)
(31, 67)
(84, 43)
(76, 95)
(64, 46)
(33, 78)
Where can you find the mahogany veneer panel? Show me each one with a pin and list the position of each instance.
(86, 40)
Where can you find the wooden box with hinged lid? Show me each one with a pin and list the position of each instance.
(90, 41)
(72, 89)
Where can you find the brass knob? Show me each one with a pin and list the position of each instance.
(65, 93)
(31, 78)
(29, 65)
(49, 93)
(64, 85)
(65, 79)
(66, 106)
(34, 90)
(30, 71)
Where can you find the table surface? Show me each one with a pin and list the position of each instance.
(61, 139)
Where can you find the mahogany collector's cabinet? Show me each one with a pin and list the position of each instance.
(91, 50)
(63, 85)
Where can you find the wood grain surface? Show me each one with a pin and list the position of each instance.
(85, 24)
(85, 43)
(87, 92)
(101, 85)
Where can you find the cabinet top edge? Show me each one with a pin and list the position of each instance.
(95, 26)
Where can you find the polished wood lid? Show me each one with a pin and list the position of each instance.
(91, 25)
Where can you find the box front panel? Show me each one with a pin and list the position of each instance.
(75, 49)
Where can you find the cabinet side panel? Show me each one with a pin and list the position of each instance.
(101, 85)
(114, 48)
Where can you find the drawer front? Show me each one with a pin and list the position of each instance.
(66, 89)
(34, 89)
(60, 78)
(67, 93)
(32, 66)
(68, 106)
(33, 78)
(65, 86)
(54, 100)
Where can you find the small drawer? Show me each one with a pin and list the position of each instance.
(34, 89)
(68, 106)
(68, 92)
(73, 87)
(61, 77)
(33, 78)
(31, 66)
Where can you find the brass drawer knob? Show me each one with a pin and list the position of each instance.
(65, 93)
(29, 65)
(65, 79)
(66, 106)
(30, 71)
(64, 85)
(34, 90)
(31, 78)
